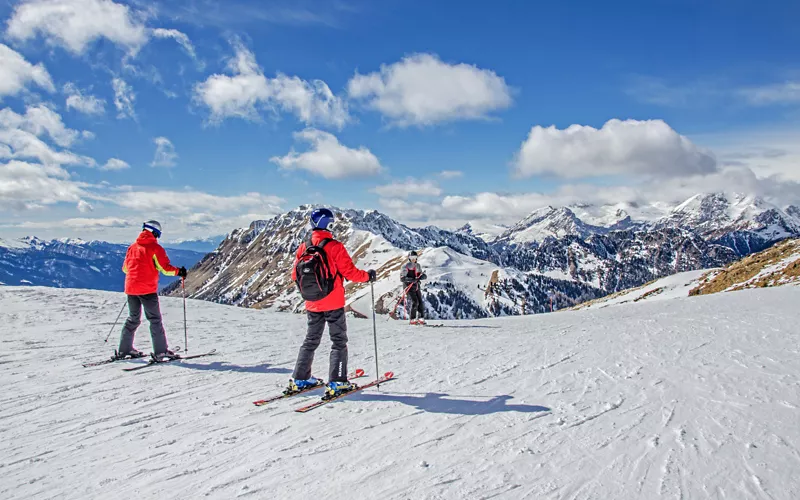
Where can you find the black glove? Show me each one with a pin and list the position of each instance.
(423, 276)
(182, 272)
(373, 276)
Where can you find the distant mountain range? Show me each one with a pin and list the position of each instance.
(71, 263)
(203, 245)
(553, 258)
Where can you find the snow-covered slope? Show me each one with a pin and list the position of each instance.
(688, 398)
(672, 287)
(776, 266)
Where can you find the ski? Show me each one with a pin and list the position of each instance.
(387, 377)
(109, 360)
(153, 361)
(261, 402)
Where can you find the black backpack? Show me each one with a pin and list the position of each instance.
(313, 276)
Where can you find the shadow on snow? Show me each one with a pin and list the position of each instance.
(441, 403)
(223, 366)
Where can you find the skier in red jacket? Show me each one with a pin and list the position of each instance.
(329, 308)
(144, 260)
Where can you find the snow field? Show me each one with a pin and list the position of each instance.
(684, 398)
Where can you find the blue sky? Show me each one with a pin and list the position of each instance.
(433, 112)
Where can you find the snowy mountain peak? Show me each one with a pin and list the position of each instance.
(548, 222)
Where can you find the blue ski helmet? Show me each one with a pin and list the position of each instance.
(153, 226)
(321, 218)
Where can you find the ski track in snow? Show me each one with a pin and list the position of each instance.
(684, 398)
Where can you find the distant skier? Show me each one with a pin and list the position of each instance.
(145, 258)
(320, 267)
(411, 274)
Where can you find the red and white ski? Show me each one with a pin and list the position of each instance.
(387, 377)
(261, 402)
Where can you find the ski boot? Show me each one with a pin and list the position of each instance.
(296, 386)
(132, 354)
(421, 322)
(165, 356)
(335, 389)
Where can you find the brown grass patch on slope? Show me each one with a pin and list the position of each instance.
(740, 272)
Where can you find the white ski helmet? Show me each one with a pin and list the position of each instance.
(153, 226)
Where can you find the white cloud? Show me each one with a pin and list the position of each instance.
(246, 92)
(115, 164)
(408, 188)
(328, 158)
(19, 137)
(619, 147)
(188, 202)
(405, 210)
(451, 174)
(16, 73)
(423, 90)
(778, 93)
(182, 39)
(39, 120)
(87, 104)
(80, 223)
(124, 99)
(165, 153)
(75, 24)
(25, 186)
(20, 144)
(85, 207)
(96, 223)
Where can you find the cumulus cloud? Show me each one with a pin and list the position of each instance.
(25, 186)
(17, 143)
(408, 188)
(115, 164)
(124, 99)
(20, 137)
(620, 147)
(87, 104)
(423, 90)
(84, 207)
(16, 73)
(41, 120)
(328, 158)
(246, 92)
(75, 24)
(165, 153)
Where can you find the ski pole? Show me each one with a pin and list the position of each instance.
(185, 329)
(116, 321)
(375, 332)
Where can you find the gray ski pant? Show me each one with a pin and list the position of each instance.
(337, 327)
(152, 312)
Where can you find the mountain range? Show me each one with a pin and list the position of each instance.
(556, 257)
(73, 263)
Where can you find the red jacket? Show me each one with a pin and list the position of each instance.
(338, 261)
(145, 258)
